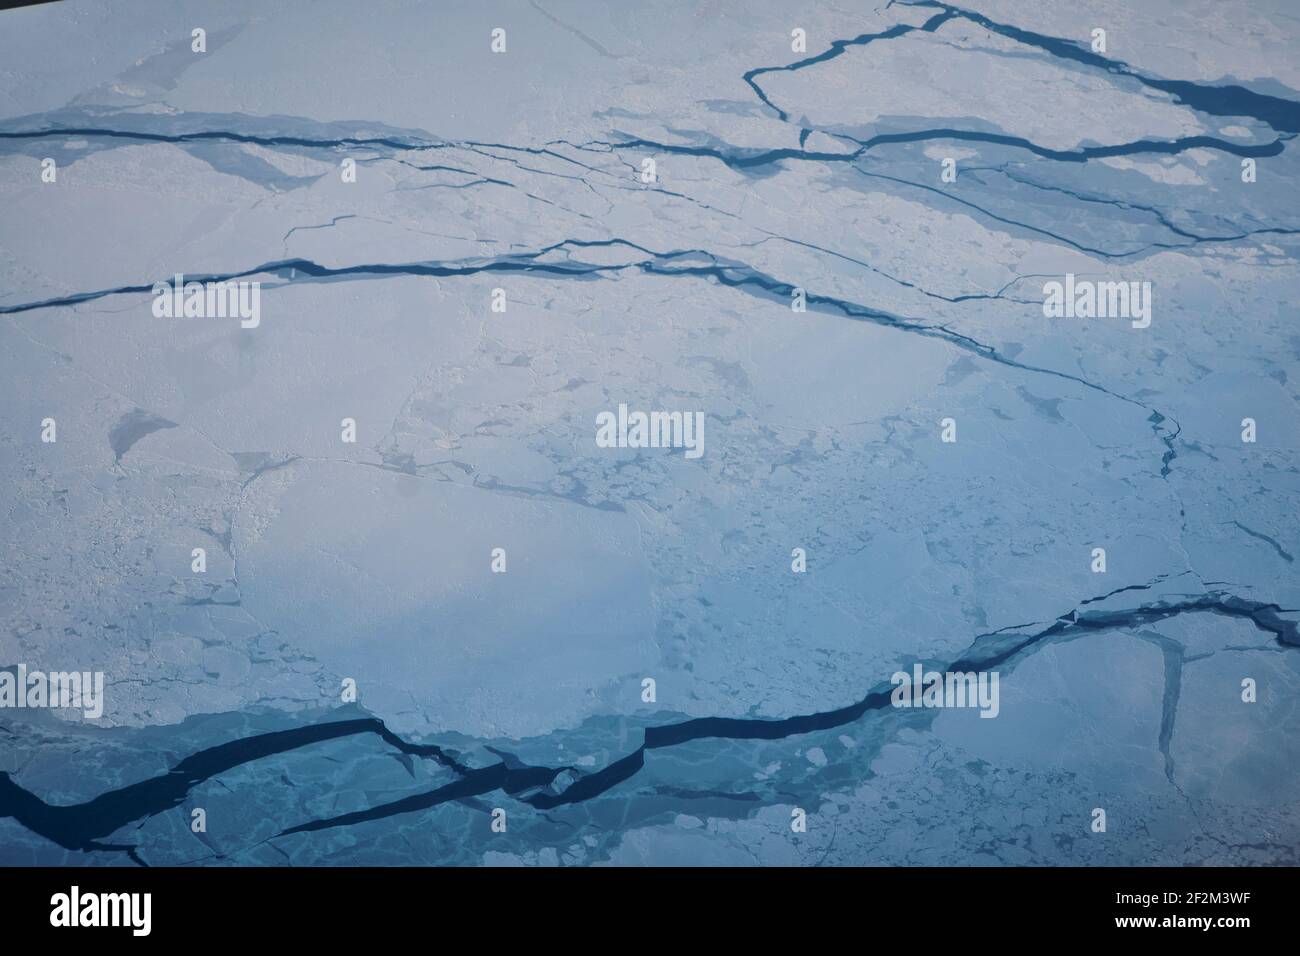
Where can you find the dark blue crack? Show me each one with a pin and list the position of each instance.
(81, 826)
(733, 157)
(836, 48)
(1265, 617)
(500, 776)
(1173, 656)
(739, 159)
(748, 159)
(1194, 238)
(1280, 114)
(735, 275)
(522, 262)
(952, 197)
(742, 277)
(204, 136)
(324, 225)
(1284, 555)
(1123, 590)
(1157, 425)
(954, 299)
